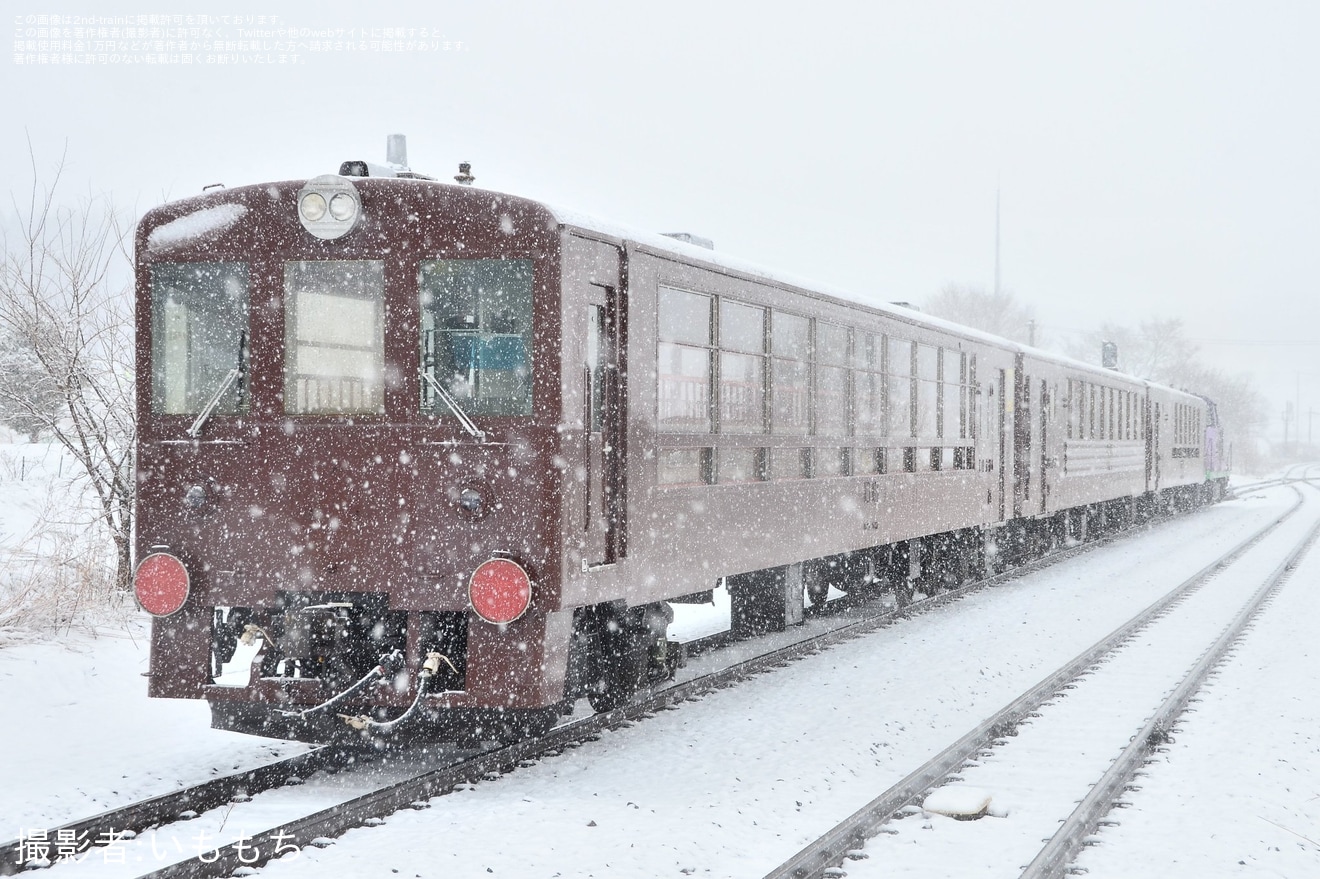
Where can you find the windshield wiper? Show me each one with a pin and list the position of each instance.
(463, 419)
(209, 409)
(237, 374)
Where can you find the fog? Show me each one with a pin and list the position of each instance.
(1150, 160)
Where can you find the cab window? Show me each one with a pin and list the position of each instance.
(199, 335)
(477, 335)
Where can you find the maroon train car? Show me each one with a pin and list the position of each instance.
(420, 456)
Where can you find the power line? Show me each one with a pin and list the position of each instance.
(1256, 341)
(1097, 331)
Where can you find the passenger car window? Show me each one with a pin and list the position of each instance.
(683, 362)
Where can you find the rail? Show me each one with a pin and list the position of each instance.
(138, 816)
(1059, 852)
(824, 856)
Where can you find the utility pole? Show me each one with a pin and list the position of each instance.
(997, 238)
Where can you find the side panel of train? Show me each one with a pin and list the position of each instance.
(1185, 448)
(767, 426)
(1094, 446)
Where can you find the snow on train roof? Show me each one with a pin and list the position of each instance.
(691, 252)
(193, 225)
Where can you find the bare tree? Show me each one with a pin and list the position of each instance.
(998, 313)
(66, 310)
(41, 401)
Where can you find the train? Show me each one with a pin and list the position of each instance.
(417, 458)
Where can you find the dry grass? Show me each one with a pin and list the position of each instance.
(59, 575)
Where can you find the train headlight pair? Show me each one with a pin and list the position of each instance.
(329, 206)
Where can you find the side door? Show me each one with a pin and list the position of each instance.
(1004, 429)
(603, 375)
(1043, 446)
(1019, 387)
(1153, 441)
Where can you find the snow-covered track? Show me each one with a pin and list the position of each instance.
(136, 817)
(1054, 859)
(825, 855)
(1286, 478)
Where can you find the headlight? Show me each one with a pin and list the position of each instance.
(329, 206)
(342, 207)
(312, 206)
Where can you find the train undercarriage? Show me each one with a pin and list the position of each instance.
(312, 657)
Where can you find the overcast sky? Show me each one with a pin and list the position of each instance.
(1155, 159)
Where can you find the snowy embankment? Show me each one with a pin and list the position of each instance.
(54, 569)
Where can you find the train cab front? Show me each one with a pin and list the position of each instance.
(347, 503)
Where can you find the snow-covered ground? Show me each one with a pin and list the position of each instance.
(1038, 775)
(729, 785)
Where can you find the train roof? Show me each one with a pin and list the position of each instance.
(173, 223)
(668, 246)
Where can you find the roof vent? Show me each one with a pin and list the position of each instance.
(396, 151)
(396, 162)
(689, 238)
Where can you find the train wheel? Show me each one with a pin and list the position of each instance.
(618, 680)
(903, 594)
(618, 660)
